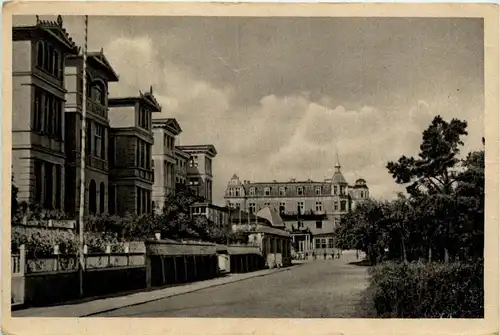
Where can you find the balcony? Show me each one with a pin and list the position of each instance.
(131, 173)
(96, 109)
(96, 162)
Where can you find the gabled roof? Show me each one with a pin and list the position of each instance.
(272, 216)
(150, 98)
(169, 123)
(199, 148)
(53, 29)
(147, 97)
(182, 153)
(100, 60)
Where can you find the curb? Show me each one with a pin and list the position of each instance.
(182, 293)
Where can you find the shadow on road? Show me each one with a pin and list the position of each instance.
(360, 263)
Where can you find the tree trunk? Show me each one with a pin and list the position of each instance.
(430, 253)
(446, 256)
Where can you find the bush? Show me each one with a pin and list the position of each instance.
(418, 290)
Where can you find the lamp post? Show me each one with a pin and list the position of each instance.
(81, 267)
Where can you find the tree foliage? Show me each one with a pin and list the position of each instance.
(443, 214)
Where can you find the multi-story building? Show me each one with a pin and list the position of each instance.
(131, 164)
(99, 74)
(199, 169)
(220, 216)
(181, 163)
(38, 125)
(310, 209)
(164, 157)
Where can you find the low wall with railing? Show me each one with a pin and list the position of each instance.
(50, 279)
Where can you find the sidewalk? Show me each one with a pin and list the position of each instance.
(105, 305)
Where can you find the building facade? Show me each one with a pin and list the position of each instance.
(131, 163)
(311, 210)
(220, 216)
(199, 169)
(99, 74)
(38, 118)
(181, 163)
(165, 132)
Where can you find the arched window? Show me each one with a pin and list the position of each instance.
(101, 197)
(92, 197)
(97, 93)
(40, 55)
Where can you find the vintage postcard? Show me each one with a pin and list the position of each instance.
(250, 168)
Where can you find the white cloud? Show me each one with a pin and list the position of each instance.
(280, 137)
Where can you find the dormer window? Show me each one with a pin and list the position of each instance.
(237, 192)
(267, 191)
(252, 190)
(282, 191)
(300, 190)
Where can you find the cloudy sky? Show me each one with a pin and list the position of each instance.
(278, 97)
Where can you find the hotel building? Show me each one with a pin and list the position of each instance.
(310, 209)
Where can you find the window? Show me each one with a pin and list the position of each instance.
(97, 93)
(112, 151)
(335, 190)
(335, 206)
(343, 207)
(237, 192)
(342, 190)
(361, 194)
(92, 196)
(300, 190)
(300, 207)
(282, 191)
(99, 141)
(267, 191)
(58, 187)
(317, 243)
(331, 245)
(282, 207)
(319, 224)
(49, 59)
(237, 205)
(318, 190)
(252, 190)
(144, 118)
(192, 162)
(323, 243)
(336, 221)
(38, 181)
(47, 114)
(300, 224)
(251, 207)
(88, 137)
(267, 204)
(101, 197)
(319, 207)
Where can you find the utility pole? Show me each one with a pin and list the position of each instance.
(82, 160)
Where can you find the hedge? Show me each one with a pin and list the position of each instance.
(430, 290)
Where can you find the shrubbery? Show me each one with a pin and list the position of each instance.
(433, 290)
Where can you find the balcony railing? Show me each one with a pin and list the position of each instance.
(96, 162)
(96, 108)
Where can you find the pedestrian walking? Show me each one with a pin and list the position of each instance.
(324, 255)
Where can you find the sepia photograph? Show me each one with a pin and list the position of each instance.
(249, 166)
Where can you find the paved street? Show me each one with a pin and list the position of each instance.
(322, 288)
